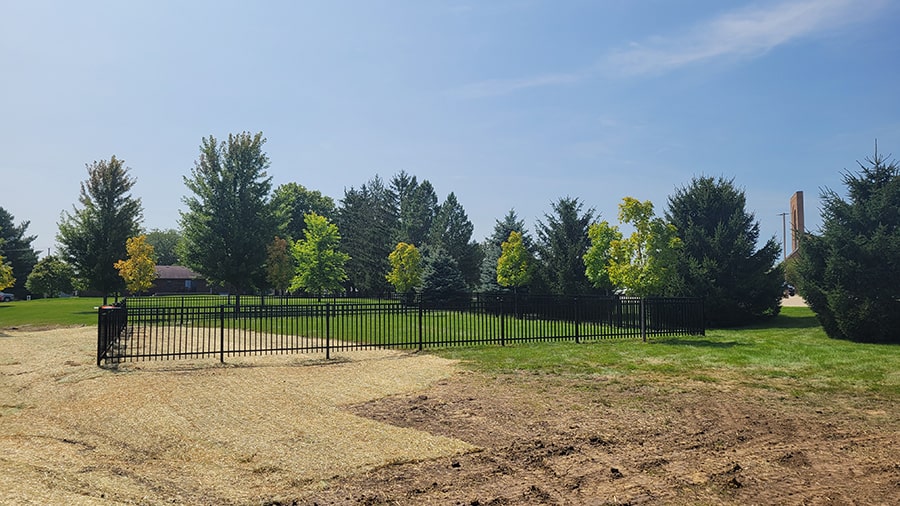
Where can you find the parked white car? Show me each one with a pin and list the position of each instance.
(6, 297)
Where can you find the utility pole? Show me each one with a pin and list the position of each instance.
(784, 234)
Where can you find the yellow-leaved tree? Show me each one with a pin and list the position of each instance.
(6, 274)
(514, 264)
(406, 269)
(139, 270)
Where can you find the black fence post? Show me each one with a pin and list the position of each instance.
(577, 335)
(327, 331)
(221, 334)
(101, 349)
(503, 320)
(421, 315)
(643, 317)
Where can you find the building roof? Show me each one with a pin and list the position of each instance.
(175, 272)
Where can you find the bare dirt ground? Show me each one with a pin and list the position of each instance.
(394, 428)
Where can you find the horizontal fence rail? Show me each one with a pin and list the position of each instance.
(168, 327)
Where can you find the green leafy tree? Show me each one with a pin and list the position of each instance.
(292, 202)
(280, 267)
(491, 249)
(720, 260)
(515, 264)
(50, 277)
(165, 245)
(599, 255)
(406, 268)
(562, 242)
(452, 232)
(16, 246)
(6, 274)
(849, 273)
(93, 237)
(644, 263)
(229, 221)
(139, 269)
(368, 222)
(320, 265)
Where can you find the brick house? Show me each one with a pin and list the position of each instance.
(178, 279)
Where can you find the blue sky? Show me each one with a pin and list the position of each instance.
(509, 104)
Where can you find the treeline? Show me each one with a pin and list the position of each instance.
(397, 235)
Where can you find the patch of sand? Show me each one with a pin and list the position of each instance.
(195, 431)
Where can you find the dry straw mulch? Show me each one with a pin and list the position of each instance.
(196, 432)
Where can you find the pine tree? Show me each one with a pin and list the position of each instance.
(720, 261)
(849, 273)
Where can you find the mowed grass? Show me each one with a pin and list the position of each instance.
(49, 312)
(788, 352)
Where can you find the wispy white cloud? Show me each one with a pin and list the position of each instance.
(496, 87)
(746, 32)
(743, 33)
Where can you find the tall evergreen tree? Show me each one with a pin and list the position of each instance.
(443, 284)
(452, 232)
(93, 237)
(562, 244)
(417, 207)
(17, 248)
(229, 221)
(368, 222)
(720, 261)
(849, 273)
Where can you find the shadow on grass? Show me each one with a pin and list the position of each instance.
(698, 343)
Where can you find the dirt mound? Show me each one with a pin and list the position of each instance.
(551, 440)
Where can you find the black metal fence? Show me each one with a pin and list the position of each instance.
(142, 328)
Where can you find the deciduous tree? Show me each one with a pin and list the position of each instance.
(165, 245)
(293, 201)
(406, 268)
(643, 263)
(599, 254)
(229, 221)
(93, 237)
(491, 249)
(514, 267)
(139, 269)
(50, 277)
(320, 265)
(6, 274)
(280, 268)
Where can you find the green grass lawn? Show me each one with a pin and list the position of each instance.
(49, 312)
(790, 352)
